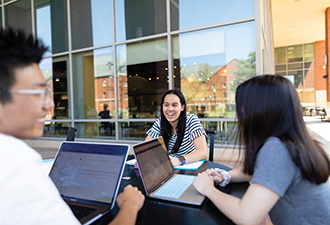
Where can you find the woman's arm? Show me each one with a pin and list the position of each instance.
(199, 154)
(148, 138)
(236, 174)
(251, 209)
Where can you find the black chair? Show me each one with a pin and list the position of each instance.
(71, 134)
(210, 136)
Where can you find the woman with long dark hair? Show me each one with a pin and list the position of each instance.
(289, 172)
(183, 133)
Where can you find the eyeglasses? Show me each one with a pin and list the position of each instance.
(45, 94)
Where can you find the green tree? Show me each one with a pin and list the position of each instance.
(245, 70)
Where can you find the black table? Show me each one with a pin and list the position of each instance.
(157, 212)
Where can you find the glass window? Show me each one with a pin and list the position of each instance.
(280, 67)
(280, 55)
(55, 73)
(308, 65)
(58, 129)
(295, 53)
(91, 23)
(18, 16)
(294, 66)
(136, 19)
(90, 69)
(187, 14)
(0, 17)
(205, 60)
(143, 68)
(96, 130)
(296, 77)
(309, 79)
(51, 24)
(225, 130)
(281, 73)
(309, 52)
(133, 130)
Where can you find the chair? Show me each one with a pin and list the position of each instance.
(210, 135)
(71, 134)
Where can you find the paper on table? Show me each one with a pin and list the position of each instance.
(187, 166)
(190, 166)
(131, 162)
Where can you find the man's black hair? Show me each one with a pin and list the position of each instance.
(17, 50)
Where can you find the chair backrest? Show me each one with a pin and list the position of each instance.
(71, 134)
(210, 136)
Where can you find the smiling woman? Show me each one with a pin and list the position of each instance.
(183, 133)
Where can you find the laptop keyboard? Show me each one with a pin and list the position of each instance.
(175, 187)
(81, 211)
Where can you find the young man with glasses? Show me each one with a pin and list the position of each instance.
(27, 194)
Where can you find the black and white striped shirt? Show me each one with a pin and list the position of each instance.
(193, 130)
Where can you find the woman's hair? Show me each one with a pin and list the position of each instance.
(166, 127)
(269, 106)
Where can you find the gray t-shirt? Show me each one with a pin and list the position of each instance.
(301, 201)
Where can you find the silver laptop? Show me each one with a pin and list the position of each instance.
(88, 177)
(157, 173)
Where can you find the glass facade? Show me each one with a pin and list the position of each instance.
(110, 61)
(51, 24)
(297, 64)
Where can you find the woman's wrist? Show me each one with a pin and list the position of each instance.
(208, 191)
(226, 177)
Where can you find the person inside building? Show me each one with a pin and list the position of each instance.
(288, 170)
(183, 133)
(105, 114)
(28, 195)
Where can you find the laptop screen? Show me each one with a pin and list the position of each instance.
(154, 164)
(88, 171)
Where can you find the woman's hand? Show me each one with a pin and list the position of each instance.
(217, 177)
(202, 182)
(175, 161)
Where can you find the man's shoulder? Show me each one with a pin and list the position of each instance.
(14, 147)
(5, 138)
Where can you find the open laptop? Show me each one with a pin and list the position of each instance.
(157, 172)
(88, 177)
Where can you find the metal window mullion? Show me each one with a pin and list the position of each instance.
(169, 46)
(3, 14)
(115, 70)
(33, 17)
(70, 62)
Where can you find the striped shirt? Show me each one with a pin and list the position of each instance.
(193, 130)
